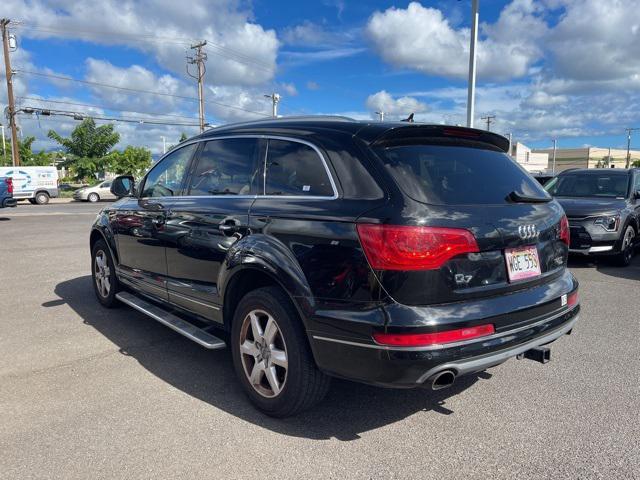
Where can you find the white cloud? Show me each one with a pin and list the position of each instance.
(290, 89)
(541, 98)
(310, 34)
(422, 39)
(243, 52)
(394, 108)
(597, 40)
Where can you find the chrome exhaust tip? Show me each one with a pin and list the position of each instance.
(442, 379)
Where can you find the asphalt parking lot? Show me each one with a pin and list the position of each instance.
(92, 393)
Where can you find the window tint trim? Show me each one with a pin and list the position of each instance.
(195, 159)
(264, 160)
(322, 159)
(161, 159)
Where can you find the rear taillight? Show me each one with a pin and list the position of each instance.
(395, 247)
(9, 182)
(565, 236)
(572, 299)
(437, 338)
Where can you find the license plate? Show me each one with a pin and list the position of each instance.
(522, 262)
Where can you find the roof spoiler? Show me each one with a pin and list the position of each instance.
(413, 131)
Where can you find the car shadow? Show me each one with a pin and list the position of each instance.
(4, 219)
(348, 410)
(607, 266)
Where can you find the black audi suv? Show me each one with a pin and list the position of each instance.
(395, 254)
(603, 208)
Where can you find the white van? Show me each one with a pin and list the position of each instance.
(36, 184)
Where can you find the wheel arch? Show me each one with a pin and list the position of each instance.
(99, 234)
(245, 279)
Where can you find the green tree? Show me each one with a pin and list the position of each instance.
(132, 161)
(183, 137)
(87, 147)
(27, 157)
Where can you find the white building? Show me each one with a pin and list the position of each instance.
(531, 161)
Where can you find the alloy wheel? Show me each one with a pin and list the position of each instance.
(627, 243)
(264, 353)
(102, 274)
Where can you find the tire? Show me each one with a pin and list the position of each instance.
(42, 198)
(627, 247)
(93, 197)
(101, 258)
(299, 385)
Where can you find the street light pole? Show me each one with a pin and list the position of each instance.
(471, 94)
(164, 144)
(553, 168)
(275, 99)
(629, 130)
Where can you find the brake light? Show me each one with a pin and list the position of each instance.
(437, 338)
(565, 234)
(9, 182)
(572, 299)
(394, 247)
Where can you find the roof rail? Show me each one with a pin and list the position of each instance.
(299, 118)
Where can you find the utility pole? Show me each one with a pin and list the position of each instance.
(198, 59)
(471, 93)
(11, 113)
(164, 144)
(275, 99)
(489, 119)
(380, 115)
(629, 130)
(553, 159)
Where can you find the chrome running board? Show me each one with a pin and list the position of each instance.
(198, 335)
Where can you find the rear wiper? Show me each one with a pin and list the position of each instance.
(520, 198)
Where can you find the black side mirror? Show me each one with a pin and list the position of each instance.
(636, 194)
(123, 186)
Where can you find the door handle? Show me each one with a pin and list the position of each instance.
(229, 226)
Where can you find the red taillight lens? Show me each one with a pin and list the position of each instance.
(572, 299)
(426, 339)
(394, 247)
(9, 182)
(565, 236)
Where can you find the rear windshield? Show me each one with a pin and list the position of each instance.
(454, 175)
(589, 185)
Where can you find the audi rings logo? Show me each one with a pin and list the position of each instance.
(527, 232)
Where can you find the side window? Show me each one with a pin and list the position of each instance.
(295, 169)
(226, 167)
(636, 183)
(165, 179)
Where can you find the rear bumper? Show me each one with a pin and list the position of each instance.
(410, 367)
(9, 203)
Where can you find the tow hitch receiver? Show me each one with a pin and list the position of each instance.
(539, 354)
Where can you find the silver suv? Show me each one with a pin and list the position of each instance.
(603, 208)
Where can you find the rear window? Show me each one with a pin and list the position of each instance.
(453, 175)
(589, 185)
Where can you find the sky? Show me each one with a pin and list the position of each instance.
(565, 69)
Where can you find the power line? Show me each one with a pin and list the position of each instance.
(80, 116)
(103, 107)
(136, 90)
